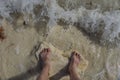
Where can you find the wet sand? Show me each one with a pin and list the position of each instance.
(19, 50)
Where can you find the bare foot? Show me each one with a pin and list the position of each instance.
(74, 62)
(45, 57)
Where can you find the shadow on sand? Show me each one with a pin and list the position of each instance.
(36, 70)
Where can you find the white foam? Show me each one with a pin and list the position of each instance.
(17, 49)
(99, 76)
(90, 20)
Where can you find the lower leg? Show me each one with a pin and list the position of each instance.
(44, 74)
(74, 75)
(74, 62)
(46, 65)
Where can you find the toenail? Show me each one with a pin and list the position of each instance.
(76, 54)
(48, 49)
(79, 56)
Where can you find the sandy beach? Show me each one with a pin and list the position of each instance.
(18, 53)
(63, 27)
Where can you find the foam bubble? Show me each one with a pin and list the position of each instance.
(102, 25)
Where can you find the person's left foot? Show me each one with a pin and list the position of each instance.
(45, 57)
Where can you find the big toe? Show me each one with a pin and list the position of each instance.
(77, 56)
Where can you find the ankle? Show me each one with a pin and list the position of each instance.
(74, 75)
(46, 66)
(72, 68)
(72, 71)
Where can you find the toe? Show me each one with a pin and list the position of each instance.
(47, 52)
(79, 56)
(73, 54)
(76, 54)
(48, 49)
(43, 52)
(44, 49)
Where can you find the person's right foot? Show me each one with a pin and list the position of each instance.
(74, 62)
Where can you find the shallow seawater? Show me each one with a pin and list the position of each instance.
(90, 27)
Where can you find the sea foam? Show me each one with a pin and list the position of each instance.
(104, 25)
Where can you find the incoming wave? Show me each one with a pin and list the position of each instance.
(104, 25)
